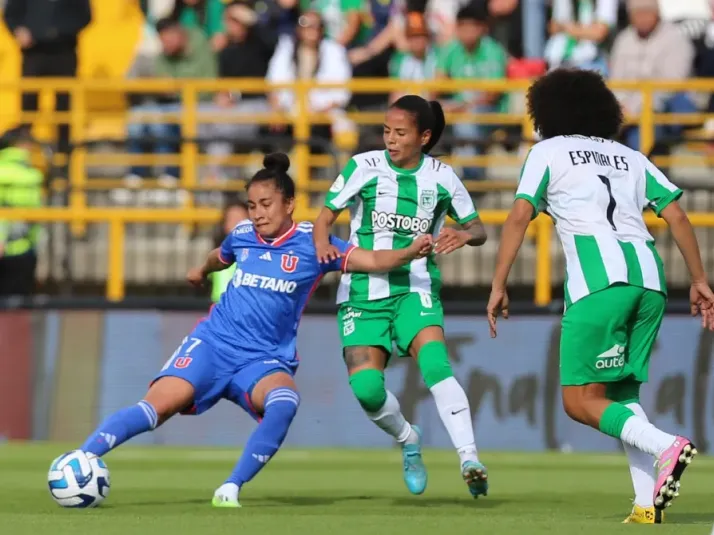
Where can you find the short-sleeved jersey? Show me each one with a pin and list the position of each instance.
(258, 315)
(487, 62)
(334, 14)
(596, 190)
(389, 208)
(406, 66)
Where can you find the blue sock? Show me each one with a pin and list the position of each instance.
(120, 427)
(281, 406)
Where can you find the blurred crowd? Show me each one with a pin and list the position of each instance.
(338, 40)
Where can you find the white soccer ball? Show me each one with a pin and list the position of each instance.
(78, 480)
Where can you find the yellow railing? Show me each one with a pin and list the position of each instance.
(189, 119)
(79, 214)
(541, 231)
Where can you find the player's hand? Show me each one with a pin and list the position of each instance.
(23, 37)
(326, 252)
(701, 300)
(497, 303)
(196, 277)
(421, 246)
(451, 239)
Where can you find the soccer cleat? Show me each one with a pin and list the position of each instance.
(414, 470)
(226, 496)
(644, 515)
(670, 467)
(225, 502)
(476, 477)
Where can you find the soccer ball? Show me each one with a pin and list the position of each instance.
(78, 480)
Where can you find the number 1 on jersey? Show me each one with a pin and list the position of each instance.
(611, 205)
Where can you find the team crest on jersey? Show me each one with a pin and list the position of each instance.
(289, 263)
(427, 199)
(244, 255)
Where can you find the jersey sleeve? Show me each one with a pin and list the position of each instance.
(534, 180)
(345, 187)
(462, 208)
(659, 191)
(339, 264)
(225, 252)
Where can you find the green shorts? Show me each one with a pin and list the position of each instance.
(393, 319)
(608, 336)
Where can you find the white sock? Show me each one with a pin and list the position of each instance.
(644, 436)
(229, 490)
(453, 407)
(641, 466)
(390, 419)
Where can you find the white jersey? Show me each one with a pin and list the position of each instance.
(389, 208)
(595, 190)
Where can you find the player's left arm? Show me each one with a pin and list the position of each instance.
(356, 260)
(463, 211)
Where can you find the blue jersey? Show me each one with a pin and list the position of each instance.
(257, 316)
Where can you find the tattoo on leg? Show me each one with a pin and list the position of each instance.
(356, 356)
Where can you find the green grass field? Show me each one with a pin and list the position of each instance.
(167, 491)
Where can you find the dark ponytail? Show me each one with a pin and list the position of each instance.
(275, 168)
(428, 115)
(438, 126)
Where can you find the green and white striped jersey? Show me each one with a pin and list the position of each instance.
(389, 208)
(595, 190)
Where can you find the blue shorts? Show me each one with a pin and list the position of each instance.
(214, 377)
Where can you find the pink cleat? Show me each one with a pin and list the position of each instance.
(670, 468)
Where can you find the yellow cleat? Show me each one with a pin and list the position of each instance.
(644, 515)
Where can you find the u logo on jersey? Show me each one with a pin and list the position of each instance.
(288, 263)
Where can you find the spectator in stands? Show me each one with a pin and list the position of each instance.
(278, 16)
(20, 187)
(418, 61)
(153, 11)
(344, 20)
(246, 55)
(206, 15)
(311, 55)
(650, 49)
(473, 55)
(580, 31)
(371, 58)
(235, 210)
(46, 32)
(440, 17)
(186, 53)
(380, 35)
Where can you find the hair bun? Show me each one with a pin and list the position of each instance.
(277, 161)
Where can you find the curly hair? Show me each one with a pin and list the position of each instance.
(574, 102)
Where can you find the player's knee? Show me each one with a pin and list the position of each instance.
(168, 396)
(282, 403)
(583, 402)
(433, 359)
(368, 388)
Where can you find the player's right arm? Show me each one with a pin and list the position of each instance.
(218, 259)
(661, 196)
(342, 192)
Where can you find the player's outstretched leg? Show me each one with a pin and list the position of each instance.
(587, 404)
(279, 407)
(365, 365)
(452, 404)
(166, 397)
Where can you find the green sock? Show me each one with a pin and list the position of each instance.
(614, 418)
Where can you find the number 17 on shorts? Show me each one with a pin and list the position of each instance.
(182, 358)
